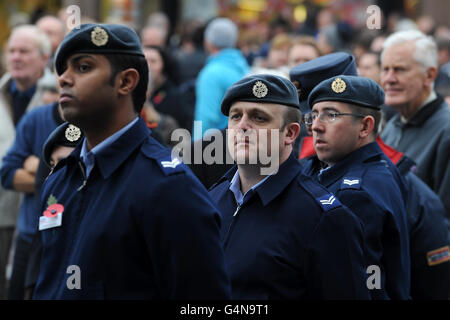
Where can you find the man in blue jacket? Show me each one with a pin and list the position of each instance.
(285, 236)
(224, 66)
(345, 116)
(120, 218)
(18, 173)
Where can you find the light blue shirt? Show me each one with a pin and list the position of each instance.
(235, 187)
(88, 157)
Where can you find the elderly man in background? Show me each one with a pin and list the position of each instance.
(422, 128)
(21, 89)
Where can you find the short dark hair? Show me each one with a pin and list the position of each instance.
(121, 62)
(291, 115)
(376, 114)
(170, 65)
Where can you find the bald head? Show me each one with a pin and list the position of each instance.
(153, 36)
(54, 29)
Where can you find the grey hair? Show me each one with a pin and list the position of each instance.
(43, 42)
(425, 48)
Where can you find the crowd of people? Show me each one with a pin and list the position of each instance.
(363, 126)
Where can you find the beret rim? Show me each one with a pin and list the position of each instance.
(337, 99)
(228, 106)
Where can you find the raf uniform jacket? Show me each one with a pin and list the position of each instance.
(365, 184)
(428, 237)
(140, 227)
(290, 239)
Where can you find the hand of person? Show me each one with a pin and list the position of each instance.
(31, 164)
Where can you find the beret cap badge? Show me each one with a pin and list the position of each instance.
(297, 85)
(72, 133)
(99, 36)
(260, 89)
(338, 85)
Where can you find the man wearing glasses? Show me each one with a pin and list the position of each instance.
(345, 113)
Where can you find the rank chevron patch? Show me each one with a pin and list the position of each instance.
(328, 202)
(351, 182)
(171, 164)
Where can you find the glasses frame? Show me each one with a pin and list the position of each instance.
(321, 115)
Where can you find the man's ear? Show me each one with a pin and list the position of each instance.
(127, 80)
(368, 123)
(430, 75)
(292, 132)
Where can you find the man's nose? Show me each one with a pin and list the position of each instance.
(65, 79)
(244, 123)
(317, 124)
(388, 76)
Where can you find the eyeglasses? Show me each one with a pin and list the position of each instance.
(326, 116)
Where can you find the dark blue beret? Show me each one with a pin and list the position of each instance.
(360, 91)
(262, 88)
(66, 135)
(306, 76)
(98, 39)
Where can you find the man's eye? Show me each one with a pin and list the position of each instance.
(234, 116)
(84, 67)
(331, 115)
(259, 118)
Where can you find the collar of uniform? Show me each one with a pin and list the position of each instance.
(423, 114)
(276, 183)
(112, 156)
(356, 157)
(235, 188)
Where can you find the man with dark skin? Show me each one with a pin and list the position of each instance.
(111, 226)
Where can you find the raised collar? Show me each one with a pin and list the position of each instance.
(112, 156)
(359, 156)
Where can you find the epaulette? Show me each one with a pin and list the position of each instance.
(169, 165)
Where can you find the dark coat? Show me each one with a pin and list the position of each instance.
(364, 183)
(140, 227)
(291, 240)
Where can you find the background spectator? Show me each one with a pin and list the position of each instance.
(225, 66)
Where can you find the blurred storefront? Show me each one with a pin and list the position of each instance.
(244, 12)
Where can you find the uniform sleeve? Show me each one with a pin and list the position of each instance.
(387, 244)
(441, 171)
(19, 151)
(183, 242)
(335, 266)
(430, 279)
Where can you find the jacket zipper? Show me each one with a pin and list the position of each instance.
(232, 224)
(83, 172)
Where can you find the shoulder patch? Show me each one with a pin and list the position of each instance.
(438, 256)
(170, 166)
(328, 202)
(350, 183)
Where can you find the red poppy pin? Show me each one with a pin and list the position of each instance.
(159, 97)
(53, 207)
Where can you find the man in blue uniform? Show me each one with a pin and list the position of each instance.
(429, 250)
(345, 116)
(285, 236)
(120, 218)
(306, 76)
